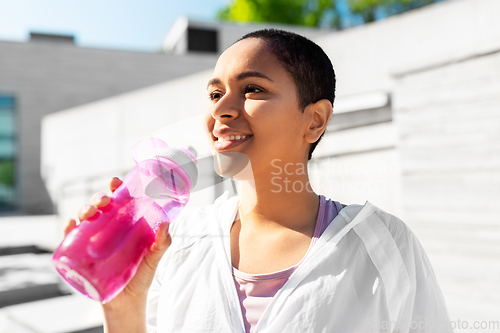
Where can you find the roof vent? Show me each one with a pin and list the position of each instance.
(187, 36)
(51, 38)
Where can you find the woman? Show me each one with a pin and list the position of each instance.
(280, 258)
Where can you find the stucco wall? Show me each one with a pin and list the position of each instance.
(449, 142)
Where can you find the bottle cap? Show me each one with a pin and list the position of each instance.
(183, 159)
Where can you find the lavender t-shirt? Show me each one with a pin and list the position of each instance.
(256, 291)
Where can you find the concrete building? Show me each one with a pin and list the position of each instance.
(415, 131)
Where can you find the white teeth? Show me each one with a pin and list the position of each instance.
(232, 138)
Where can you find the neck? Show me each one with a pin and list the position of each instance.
(283, 198)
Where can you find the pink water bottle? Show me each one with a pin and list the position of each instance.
(102, 254)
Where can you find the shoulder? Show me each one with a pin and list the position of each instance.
(397, 228)
(400, 232)
(378, 221)
(393, 237)
(400, 253)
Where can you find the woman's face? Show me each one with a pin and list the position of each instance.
(254, 107)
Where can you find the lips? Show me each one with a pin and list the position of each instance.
(230, 141)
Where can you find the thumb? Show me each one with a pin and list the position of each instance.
(144, 276)
(161, 244)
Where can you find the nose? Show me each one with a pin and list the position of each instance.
(226, 108)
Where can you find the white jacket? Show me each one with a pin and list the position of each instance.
(366, 273)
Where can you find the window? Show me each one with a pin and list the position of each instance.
(7, 153)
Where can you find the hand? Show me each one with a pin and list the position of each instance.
(97, 201)
(133, 298)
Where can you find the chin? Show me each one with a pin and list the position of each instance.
(233, 165)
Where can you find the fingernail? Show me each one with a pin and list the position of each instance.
(97, 198)
(86, 210)
(83, 210)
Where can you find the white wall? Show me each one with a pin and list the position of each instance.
(449, 121)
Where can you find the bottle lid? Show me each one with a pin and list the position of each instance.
(185, 158)
(191, 151)
(153, 148)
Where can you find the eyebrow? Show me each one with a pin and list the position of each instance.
(240, 77)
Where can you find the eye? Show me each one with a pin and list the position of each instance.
(215, 95)
(251, 89)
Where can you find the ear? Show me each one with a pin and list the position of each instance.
(319, 115)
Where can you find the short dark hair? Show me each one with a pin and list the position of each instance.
(306, 62)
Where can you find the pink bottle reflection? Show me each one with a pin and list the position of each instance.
(102, 254)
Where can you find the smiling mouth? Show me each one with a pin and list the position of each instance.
(232, 138)
(230, 141)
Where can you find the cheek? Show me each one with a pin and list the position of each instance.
(278, 119)
(283, 131)
(270, 110)
(209, 121)
(208, 125)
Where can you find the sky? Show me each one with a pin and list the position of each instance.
(139, 25)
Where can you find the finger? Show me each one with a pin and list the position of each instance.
(70, 226)
(161, 244)
(100, 200)
(114, 183)
(86, 211)
(162, 238)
